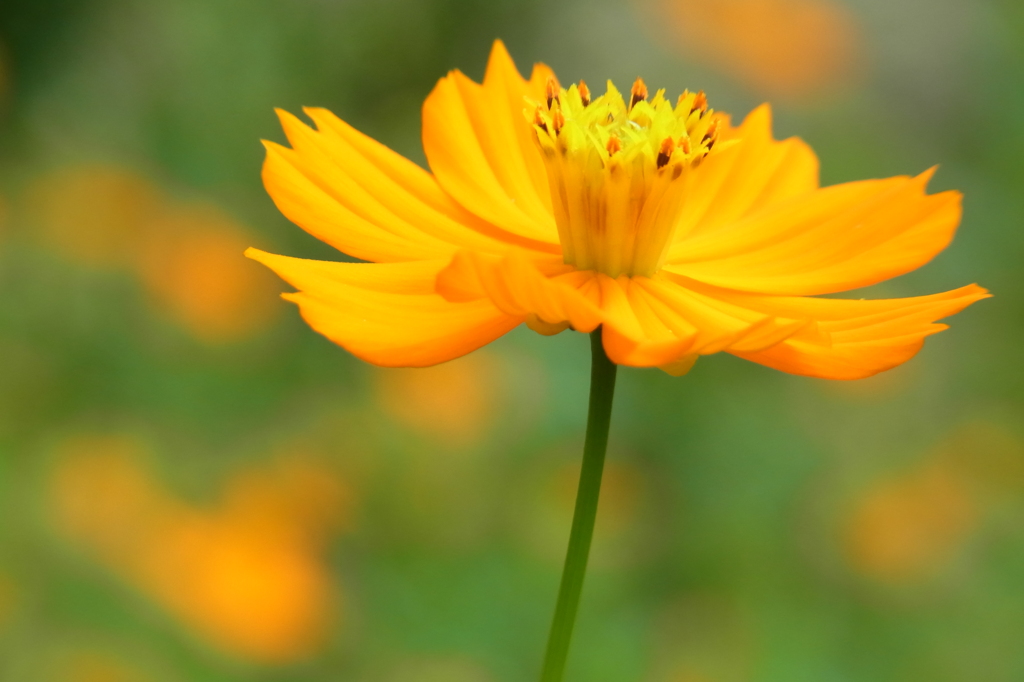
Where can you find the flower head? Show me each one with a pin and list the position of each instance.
(678, 233)
(615, 171)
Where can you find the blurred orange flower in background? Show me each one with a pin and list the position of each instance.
(904, 528)
(192, 268)
(187, 256)
(94, 215)
(453, 402)
(247, 575)
(990, 453)
(787, 48)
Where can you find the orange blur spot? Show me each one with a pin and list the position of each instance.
(789, 48)
(94, 215)
(194, 268)
(453, 402)
(990, 453)
(189, 257)
(905, 527)
(246, 574)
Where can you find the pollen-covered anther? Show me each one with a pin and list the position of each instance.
(684, 144)
(557, 120)
(584, 92)
(614, 145)
(700, 102)
(538, 120)
(638, 93)
(665, 152)
(551, 91)
(711, 136)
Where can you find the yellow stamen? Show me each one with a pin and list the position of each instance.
(699, 102)
(614, 145)
(584, 92)
(711, 135)
(665, 152)
(616, 172)
(552, 91)
(557, 120)
(538, 119)
(639, 92)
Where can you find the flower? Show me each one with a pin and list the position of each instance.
(678, 233)
(453, 403)
(186, 255)
(788, 48)
(246, 574)
(191, 268)
(905, 527)
(94, 215)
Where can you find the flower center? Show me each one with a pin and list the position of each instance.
(616, 171)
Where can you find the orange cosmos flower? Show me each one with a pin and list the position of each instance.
(788, 48)
(904, 528)
(247, 574)
(678, 233)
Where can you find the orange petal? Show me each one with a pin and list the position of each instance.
(387, 314)
(314, 208)
(520, 284)
(646, 322)
(750, 172)
(834, 239)
(481, 150)
(633, 334)
(381, 186)
(853, 339)
(660, 322)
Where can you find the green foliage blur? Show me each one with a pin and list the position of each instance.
(194, 486)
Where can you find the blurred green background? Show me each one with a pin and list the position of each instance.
(196, 487)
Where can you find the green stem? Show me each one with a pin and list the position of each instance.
(602, 390)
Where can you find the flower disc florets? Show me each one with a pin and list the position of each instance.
(617, 171)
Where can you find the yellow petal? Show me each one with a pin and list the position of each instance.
(477, 144)
(854, 339)
(681, 366)
(387, 314)
(834, 239)
(319, 212)
(521, 284)
(633, 334)
(753, 172)
(414, 208)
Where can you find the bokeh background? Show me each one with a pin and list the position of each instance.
(196, 487)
